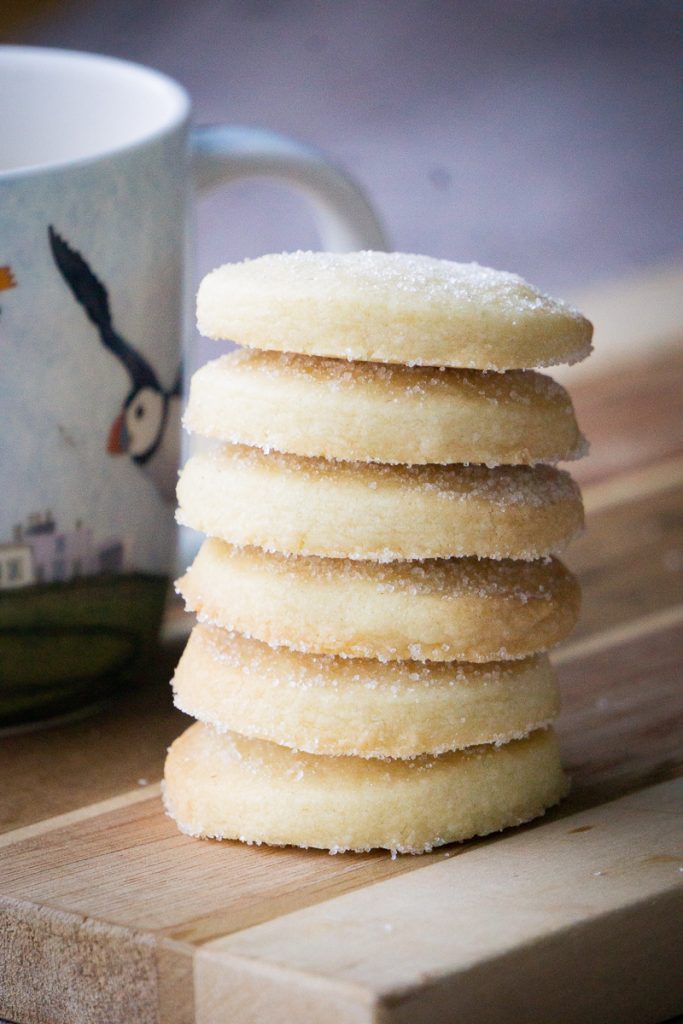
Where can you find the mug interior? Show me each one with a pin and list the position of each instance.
(60, 106)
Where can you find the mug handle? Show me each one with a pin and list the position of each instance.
(344, 218)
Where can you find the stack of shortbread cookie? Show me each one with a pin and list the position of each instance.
(380, 584)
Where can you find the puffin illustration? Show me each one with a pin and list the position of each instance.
(147, 428)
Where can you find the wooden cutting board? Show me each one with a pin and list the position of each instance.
(110, 915)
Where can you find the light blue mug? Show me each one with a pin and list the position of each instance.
(97, 163)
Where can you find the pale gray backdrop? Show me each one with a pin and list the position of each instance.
(543, 136)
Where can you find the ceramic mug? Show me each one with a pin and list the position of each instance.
(96, 165)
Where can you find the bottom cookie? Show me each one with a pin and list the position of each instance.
(225, 786)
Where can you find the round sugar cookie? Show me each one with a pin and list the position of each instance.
(390, 308)
(355, 510)
(459, 609)
(328, 705)
(229, 787)
(368, 412)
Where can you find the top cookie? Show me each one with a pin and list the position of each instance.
(390, 308)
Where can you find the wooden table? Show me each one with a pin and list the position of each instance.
(110, 915)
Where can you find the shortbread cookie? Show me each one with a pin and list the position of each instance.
(461, 609)
(327, 705)
(296, 505)
(373, 412)
(390, 308)
(229, 787)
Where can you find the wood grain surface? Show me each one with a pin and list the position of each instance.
(107, 913)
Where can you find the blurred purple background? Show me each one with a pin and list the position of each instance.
(537, 136)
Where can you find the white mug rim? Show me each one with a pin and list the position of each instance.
(178, 117)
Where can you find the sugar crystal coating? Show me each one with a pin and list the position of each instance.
(387, 414)
(361, 707)
(390, 307)
(503, 485)
(280, 796)
(464, 609)
(311, 506)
